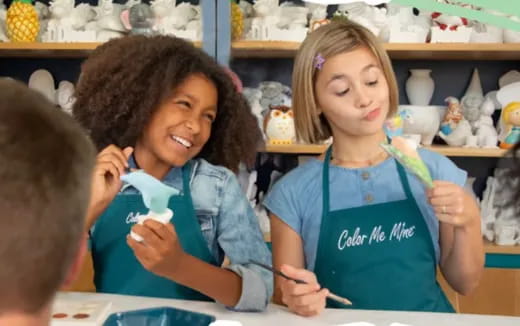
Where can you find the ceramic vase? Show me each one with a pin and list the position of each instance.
(419, 87)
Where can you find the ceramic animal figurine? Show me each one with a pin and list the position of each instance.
(461, 136)
(65, 96)
(511, 119)
(279, 125)
(138, 19)
(67, 23)
(453, 116)
(472, 99)
(486, 133)
(371, 17)
(487, 210)
(424, 122)
(318, 13)
(253, 96)
(273, 94)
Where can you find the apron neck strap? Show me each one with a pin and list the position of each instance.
(404, 180)
(326, 183)
(186, 173)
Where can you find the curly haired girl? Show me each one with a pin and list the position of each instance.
(164, 106)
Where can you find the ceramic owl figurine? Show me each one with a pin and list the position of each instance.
(279, 125)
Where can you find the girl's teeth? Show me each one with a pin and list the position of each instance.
(182, 141)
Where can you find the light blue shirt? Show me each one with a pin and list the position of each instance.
(297, 198)
(229, 226)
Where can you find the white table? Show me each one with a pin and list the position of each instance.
(279, 316)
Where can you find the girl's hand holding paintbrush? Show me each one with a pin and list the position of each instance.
(303, 299)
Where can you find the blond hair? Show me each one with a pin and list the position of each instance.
(508, 110)
(328, 41)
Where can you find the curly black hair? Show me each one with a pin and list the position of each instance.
(124, 81)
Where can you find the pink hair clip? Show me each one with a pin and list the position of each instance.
(319, 61)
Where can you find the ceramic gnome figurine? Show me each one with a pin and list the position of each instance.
(279, 125)
(473, 98)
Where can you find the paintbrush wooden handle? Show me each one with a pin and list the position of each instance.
(339, 299)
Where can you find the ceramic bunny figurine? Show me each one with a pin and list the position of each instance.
(486, 133)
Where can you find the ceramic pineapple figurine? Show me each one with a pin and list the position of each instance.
(237, 21)
(22, 21)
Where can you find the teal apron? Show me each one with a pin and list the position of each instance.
(117, 270)
(379, 256)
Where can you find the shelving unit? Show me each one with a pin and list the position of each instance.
(50, 49)
(491, 248)
(444, 150)
(399, 51)
(274, 49)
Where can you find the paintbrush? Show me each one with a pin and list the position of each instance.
(331, 296)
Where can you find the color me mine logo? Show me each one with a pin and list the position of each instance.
(501, 13)
(400, 231)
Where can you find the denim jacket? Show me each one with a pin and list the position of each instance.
(229, 226)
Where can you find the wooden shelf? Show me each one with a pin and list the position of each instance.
(44, 49)
(444, 150)
(280, 49)
(399, 51)
(264, 49)
(454, 51)
(296, 149)
(491, 248)
(50, 49)
(467, 152)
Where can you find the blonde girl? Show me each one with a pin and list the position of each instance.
(353, 221)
